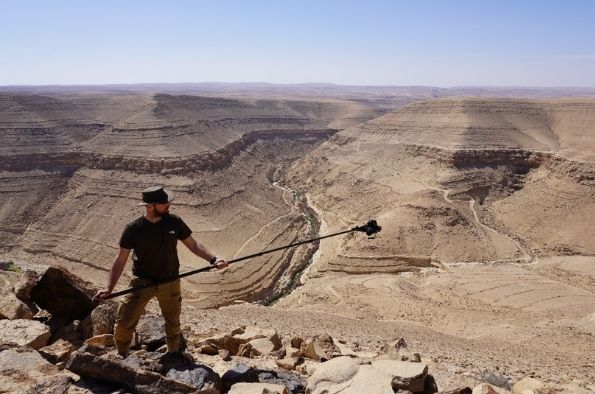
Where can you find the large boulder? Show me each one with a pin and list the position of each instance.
(333, 375)
(370, 380)
(13, 308)
(145, 372)
(345, 375)
(23, 370)
(63, 294)
(24, 333)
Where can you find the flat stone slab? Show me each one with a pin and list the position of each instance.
(24, 370)
(143, 372)
(24, 333)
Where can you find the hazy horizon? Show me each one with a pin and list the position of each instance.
(298, 84)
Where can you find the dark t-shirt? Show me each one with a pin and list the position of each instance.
(155, 254)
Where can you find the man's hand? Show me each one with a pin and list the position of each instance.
(221, 264)
(102, 295)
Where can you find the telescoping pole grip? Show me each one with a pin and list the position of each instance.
(369, 228)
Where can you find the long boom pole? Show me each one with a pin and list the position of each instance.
(369, 228)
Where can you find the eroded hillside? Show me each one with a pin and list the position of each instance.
(486, 206)
(73, 168)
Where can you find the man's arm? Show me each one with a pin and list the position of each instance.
(114, 274)
(198, 249)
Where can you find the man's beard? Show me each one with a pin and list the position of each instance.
(162, 213)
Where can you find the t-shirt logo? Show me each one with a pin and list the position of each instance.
(172, 231)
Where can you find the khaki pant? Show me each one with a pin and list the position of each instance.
(133, 305)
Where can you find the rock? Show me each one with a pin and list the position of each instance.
(241, 373)
(70, 332)
(296, 342)
(279, 353)
(24, 370)
(397, 350)
(245, 350)
(257, 388)
(100, 321)
(58, 351)
(181, 367)
(335, 373)
(485, 388)
(104, 340)
(320, 348)
(251, 333)
(290, 351)
(344, 375)
(405, 375)
(13, 308)
(370, 380)
(294, 383)
(23, 288)
(151, 331)
(63, 294)
(415, 358)
(530, 386)
(93, 386)
(430, 385)
(24, 333)
(224, 354)
(464, 390)
(213, 344)
(394, 345)
(288, 363)
(94, 362)
(210, 349)
(261, 346)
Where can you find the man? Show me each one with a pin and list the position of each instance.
(153, 237)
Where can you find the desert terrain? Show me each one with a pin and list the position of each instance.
(485, 263)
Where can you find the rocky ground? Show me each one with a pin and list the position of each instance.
(67, 347)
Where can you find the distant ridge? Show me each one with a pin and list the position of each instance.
(308, 89)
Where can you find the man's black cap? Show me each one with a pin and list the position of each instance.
(156, 195)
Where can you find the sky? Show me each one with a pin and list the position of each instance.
(368, 42)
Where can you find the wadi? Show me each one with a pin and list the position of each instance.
(481, 280)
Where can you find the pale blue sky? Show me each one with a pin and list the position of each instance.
(439, 43)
